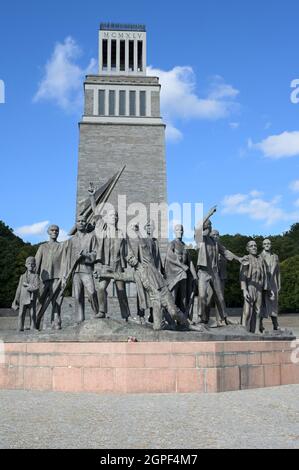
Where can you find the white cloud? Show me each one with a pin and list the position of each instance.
(63, 77)
(256, 193)
(250, 144)
(234, 125)
(173, 134)
(220, 90)
(278, 146)
(38, 228)
(294, 186)
(63, 235)
(179, 100)
(296, 203)
(257, 208)
(38, 231)
(233, 201)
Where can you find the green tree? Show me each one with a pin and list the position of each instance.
(289, 295)
(13, 255)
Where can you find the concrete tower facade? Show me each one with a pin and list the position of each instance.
(121, 124)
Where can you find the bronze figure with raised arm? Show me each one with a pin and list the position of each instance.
(209, 282)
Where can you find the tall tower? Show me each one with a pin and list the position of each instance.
(121, 124)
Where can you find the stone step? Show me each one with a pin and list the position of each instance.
(8, 312)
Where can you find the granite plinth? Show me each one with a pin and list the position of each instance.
(147, 367)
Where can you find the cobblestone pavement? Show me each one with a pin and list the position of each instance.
(265, 418)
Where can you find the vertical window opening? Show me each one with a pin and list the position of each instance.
(102, 102)
(142, 102)
(113, 54)
(139, 53)
(122, 58)
(131, 56)
(122, 103)
(132, 103)
(104, 54)
(111, 102)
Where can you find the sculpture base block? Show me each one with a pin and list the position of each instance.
(112, 330)
(147, 367)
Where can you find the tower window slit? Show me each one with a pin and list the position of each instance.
(139, 54)
(131, 56)
(142, 103)
(113, 54)
(132, 103)
(102, 102)
(122, 103)
(111, 102)
(122, 53)
(104, 54)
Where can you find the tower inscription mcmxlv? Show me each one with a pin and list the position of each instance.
(121, 124)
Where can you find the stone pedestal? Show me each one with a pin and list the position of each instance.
(147, 367)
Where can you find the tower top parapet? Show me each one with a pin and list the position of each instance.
(122, 27)
(122, 49)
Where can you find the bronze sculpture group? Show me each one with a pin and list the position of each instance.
(99, 252)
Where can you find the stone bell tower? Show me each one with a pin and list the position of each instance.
(121, 124)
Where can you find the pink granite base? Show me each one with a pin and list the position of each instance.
(147, 367)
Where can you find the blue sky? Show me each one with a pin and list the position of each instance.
(226, 68)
